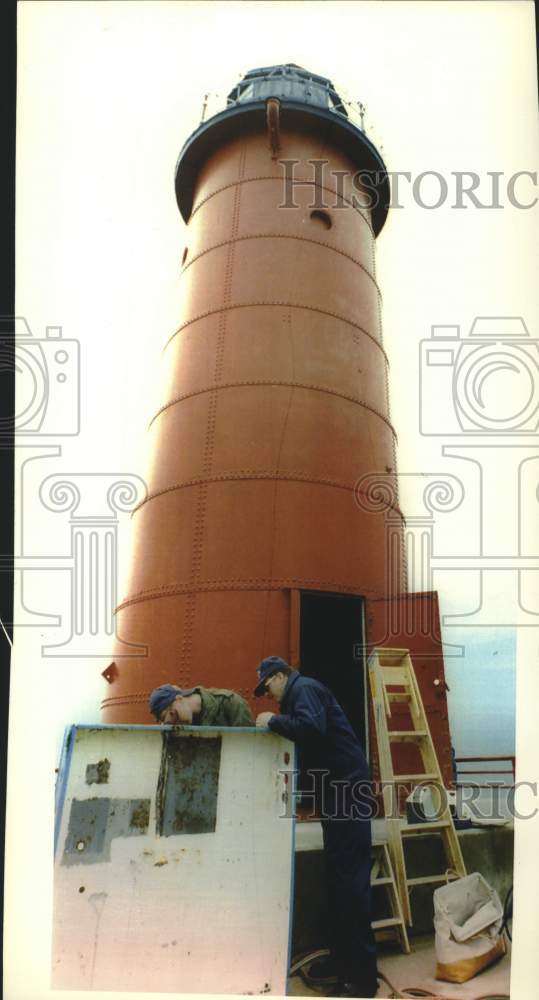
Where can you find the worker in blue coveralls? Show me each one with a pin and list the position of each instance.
(312, 718)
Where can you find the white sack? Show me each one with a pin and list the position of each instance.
(468, 918)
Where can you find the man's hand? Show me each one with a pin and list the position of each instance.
(263, 718)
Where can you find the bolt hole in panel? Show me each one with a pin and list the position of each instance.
(160, 872)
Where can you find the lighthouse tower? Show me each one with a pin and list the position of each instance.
(254, 537)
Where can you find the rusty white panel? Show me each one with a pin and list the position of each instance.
(193, 912)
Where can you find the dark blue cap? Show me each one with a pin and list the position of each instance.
(163, 696)
(271, 665)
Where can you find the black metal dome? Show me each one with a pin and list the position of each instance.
(287, 82)
(308, 102)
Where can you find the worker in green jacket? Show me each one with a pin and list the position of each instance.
(199, 706)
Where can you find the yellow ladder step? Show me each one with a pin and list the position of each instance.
(392, 679)
(427, 879)
(415, 777)
(383, 875)
(429, 827)
(410, 734)
(388, 922)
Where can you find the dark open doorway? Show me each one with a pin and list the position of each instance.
(331, 651)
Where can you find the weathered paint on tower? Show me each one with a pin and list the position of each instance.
(277, 400)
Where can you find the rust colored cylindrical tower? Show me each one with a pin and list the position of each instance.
(277, 401)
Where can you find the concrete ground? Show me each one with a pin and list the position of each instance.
(416, 971)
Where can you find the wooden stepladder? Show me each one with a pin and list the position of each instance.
(382, 875)
(392, 679)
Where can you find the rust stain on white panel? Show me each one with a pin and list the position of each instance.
(193, 912)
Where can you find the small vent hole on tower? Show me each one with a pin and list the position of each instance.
(184, 256)
(322, 218)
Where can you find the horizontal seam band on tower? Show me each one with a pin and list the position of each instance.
(283, 236)
(253, 475)
(288, 583)
(285, 305)
(271, 384)
(297, 181)
(138, 698)
(126, 699)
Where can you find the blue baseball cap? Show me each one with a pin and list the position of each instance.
(271, 665)
(163, 696)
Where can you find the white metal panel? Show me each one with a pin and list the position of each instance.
(188, 913)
